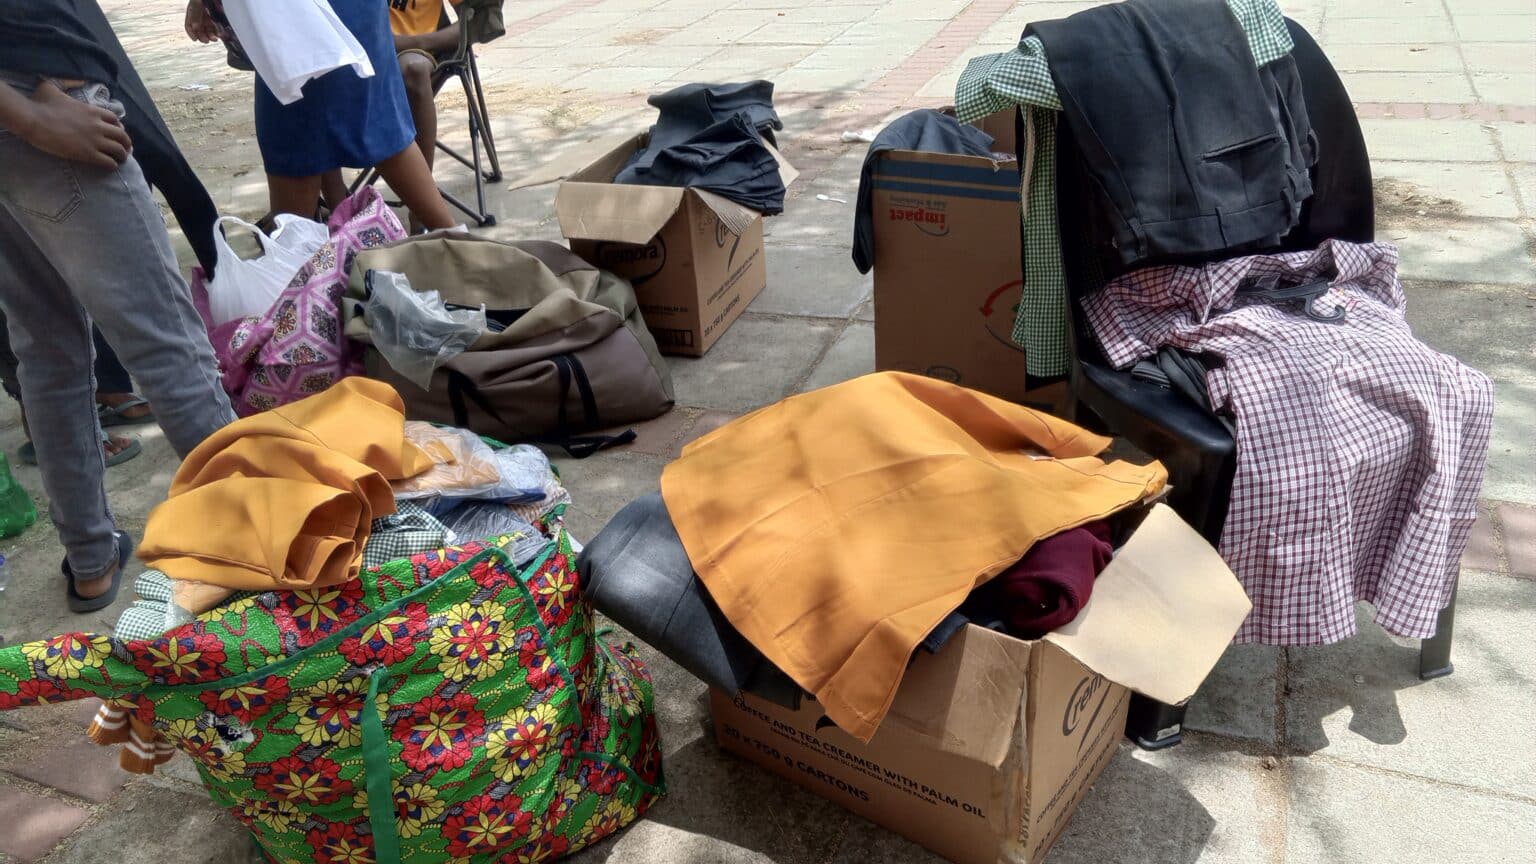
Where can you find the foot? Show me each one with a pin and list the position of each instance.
(89, 588)
(136, 412)
(115, 444)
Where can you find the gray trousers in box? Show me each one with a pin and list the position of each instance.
(81, 244)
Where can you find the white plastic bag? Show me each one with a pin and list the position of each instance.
(414, 330)
(292, 41)
(249, 286)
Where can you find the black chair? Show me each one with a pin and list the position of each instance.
(461, 65)
(1196, 447)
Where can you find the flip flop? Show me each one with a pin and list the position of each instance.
(81, 604)
(26, 454)
(116, 415)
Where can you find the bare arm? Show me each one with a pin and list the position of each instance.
(55, 123)
(446, 39)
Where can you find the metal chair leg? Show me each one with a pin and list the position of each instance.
(1435, 652)
(1154, 725)
(485, 123)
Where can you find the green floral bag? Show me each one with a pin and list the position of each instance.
(445, 708)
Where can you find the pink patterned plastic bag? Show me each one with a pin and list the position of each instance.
(298, 348)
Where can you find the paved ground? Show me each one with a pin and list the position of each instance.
(1315, 755)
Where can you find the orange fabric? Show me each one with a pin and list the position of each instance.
(835, 529)
(415, 17)
(144, 747)
(286, 499)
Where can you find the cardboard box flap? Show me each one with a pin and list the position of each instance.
(575, 159)
(1161, 613)
(966, 699)
(737, 217)
(615, 212)
(787, 172)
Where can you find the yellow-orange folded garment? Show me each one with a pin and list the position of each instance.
(835, 529)
(359, 418)
(285, 499)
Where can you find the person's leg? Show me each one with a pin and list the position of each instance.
(52, 339)
(296, 195)
(114, 389)
(407, 173)
(417, 68)
(333, 188)
(113, 253)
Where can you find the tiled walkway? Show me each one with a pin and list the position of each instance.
(1336, 754)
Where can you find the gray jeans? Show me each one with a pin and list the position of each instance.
(81, 244)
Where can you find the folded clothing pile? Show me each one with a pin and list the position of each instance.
(773, 562)
(714, 137)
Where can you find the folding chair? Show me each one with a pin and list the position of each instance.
(1198, 450)
(479, 22)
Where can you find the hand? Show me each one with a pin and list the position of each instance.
(199, 23)
(73, 130)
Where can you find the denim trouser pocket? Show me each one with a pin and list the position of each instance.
(43, 185)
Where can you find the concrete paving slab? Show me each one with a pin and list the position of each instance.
(1408, 86)
(1361, 701)
(1518, 141)
(1493, 330)
(602, 486)
(1525, 184)
(1238, 699)
(812, 281)
(1504, 87)
(852, 355)
(1507, 57)
(1338, 9)
(809, 222)
(1449, 250)
(1409, 819)
(1496, 28)
(1394, 58)
(34, 824)
(1474, 188)
(184, 828)
(1416, 30)
(1438, 140)
(1519, 524)
(758, 361)
(1199, 801)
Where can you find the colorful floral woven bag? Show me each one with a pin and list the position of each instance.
(444, 709)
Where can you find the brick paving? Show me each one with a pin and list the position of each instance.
(1328, 754)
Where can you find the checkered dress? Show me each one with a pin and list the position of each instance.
(1360, 450)
(1022, 77)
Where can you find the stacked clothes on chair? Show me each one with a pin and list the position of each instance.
(1175, 180)
(1361, 450)
(714, 137)
(774, 561)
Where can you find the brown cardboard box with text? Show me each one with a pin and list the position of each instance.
(993, 741)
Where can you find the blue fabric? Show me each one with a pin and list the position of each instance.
(343, 121)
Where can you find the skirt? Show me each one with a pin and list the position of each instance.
(343, 121)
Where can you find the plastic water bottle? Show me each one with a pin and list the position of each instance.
(17, 512)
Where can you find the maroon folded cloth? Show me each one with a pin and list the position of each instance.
(1052, 582)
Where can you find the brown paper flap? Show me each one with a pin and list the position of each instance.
(576, 158)
(968, 698)
(1161, 613)
(615, 212)
(787, 172)
(736, 217)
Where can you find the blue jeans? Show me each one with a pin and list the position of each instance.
(80, 244)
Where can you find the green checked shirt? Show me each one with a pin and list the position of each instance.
(1022, 78)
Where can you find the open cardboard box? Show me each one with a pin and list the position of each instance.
(992, 742)
(694, 257)
(948, 272)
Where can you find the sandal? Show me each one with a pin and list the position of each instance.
(117, 415)
(80, 604)
(26, 454)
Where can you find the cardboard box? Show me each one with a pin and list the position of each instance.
(694, 257)
(993, 742)
(948, 273)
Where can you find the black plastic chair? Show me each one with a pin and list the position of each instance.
(1196, 447)
(461, 65)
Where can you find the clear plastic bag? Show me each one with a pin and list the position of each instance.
(413, 329)
(467, 468)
